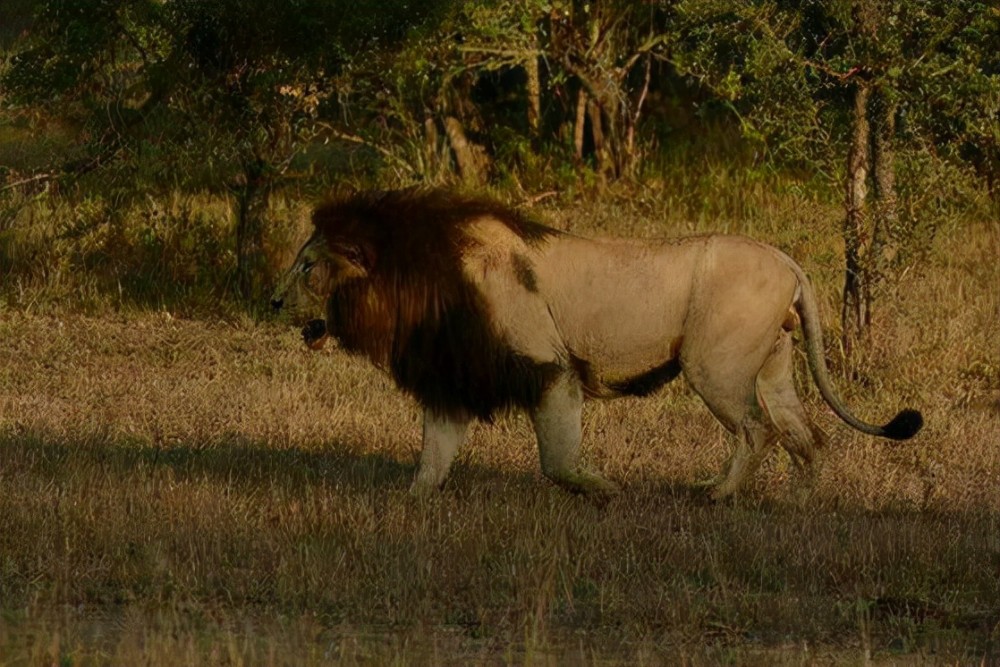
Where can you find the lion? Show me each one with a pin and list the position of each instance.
(474, 308)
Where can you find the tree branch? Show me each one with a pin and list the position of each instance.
(355, 139)
(510, 53)
(31, 179)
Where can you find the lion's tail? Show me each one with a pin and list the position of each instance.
(902, 427)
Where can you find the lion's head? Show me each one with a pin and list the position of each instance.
(305, 286)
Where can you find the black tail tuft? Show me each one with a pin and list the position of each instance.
(904, 425)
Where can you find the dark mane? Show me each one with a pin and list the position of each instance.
(416, 314)
(416, 213)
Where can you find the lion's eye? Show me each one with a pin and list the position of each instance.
(307, 266)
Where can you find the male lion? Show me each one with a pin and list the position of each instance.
(473, 308)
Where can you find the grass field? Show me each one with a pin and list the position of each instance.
(203, 490)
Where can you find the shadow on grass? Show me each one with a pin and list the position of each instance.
(900, 569)
(233, 458)
(238, 460)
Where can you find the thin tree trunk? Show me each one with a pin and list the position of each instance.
(431, 149)
(252, 195)
(467, 155)
(872, 223)
(631, 160)
(856, 304)
(609, 158)
(534, 86)
(579, 127)
(596, 127)
(885, 209)
(600, 141)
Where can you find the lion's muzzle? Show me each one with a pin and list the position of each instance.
(314, 334)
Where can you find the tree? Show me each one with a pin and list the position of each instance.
(218, 94)
(184, 82)
(582, 50)
(886, 43)
(98, 66)
(249, 89)
(950, 82)
(813, 82)
(600, 44)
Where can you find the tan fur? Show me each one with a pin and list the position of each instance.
(597, 318)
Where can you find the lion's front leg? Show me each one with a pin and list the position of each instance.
(557, 426)
(443, 435)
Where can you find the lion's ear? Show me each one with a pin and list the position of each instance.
(359, 256)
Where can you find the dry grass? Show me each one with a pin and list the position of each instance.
(190, 491)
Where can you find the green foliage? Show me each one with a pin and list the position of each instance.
(94, 252)
(217, 84)
(785, 68)
(244, 98)
(82, 56)
(952, 89)
(234, 81)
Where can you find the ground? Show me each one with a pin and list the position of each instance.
(204, 492)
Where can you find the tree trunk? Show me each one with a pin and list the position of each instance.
(856, 304)
(611, 159)
(470, 157)
(579, 126)
(252, 193)
(871, 226)
(432, 149)
(630, 159)
(885, 210)
(534, 86)
(596, 129)
(604, 110)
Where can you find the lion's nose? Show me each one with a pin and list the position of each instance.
(277, 303)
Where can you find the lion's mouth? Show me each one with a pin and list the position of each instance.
(314, 334)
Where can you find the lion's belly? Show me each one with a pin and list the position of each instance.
(625, 359)
(620, 308)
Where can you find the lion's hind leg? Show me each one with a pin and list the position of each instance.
(557, 426)
(727, 387)
(753, 441)
(778, 399)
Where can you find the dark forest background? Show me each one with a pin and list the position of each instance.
(125, 122)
